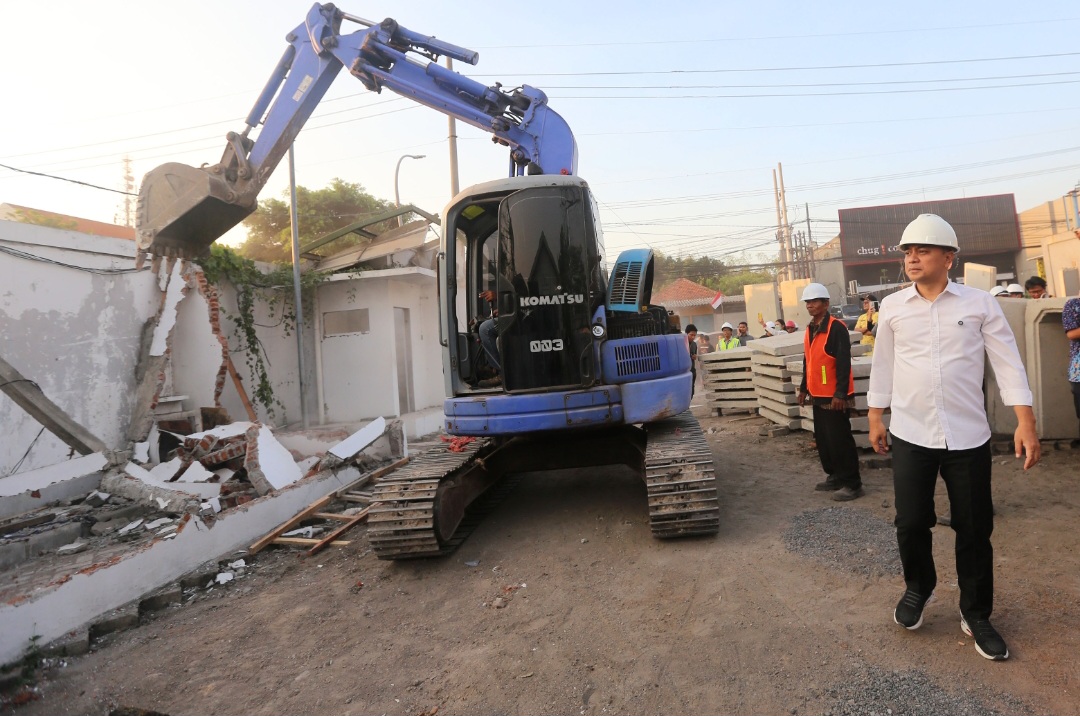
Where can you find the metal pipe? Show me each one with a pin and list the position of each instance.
(357, 19)
(296, 288)
(454, 186)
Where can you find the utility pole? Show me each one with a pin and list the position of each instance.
(128, 210)
(809, 244)
(783, 209)
(779, 228)
(454, 187)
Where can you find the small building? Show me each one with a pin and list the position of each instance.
(377, 348)
(692, 303)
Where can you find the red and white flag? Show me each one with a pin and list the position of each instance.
(717, 300)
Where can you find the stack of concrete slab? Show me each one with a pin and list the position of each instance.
(727, 379)
(860, 422)
(772, 378)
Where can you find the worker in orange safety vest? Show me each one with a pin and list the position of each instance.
(830, 385)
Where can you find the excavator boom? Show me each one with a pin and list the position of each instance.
(183, 209)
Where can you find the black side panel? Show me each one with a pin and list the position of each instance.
(544, 289)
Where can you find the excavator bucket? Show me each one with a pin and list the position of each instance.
(182, 210)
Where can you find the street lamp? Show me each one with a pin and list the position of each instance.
(397, 169)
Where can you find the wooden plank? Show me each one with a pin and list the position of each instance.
(307, 540)
(332, 516)
(360, 517)
(354, 497)
(367, 477)
(311, 509)
(248, 408)
(27, 395)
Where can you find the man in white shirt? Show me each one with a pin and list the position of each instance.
(928, 367)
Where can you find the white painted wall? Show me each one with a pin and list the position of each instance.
(75, 333)
(359, 371)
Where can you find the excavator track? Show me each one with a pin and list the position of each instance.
(404, 524)
(680, 478)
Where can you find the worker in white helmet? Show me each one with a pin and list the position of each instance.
(1015, 290)
(828, 383)
(932, 343)
(727, 339)
(998, 292)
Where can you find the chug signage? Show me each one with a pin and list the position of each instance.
(984, 225)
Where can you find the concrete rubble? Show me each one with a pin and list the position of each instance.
(136, 526)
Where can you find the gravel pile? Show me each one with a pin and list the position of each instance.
(849, 539)
(877, 692)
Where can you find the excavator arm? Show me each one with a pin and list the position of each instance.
(184, 209)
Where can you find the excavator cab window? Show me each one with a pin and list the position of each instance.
(545, 289)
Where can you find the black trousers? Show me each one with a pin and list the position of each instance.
(967, 478)
(836, 446)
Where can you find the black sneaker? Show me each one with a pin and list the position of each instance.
(909, 609)
(827, 486)
(988, 642)
(845, 494)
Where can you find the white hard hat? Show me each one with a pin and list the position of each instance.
(930, 230)
(727, 325)
(997, 291)
(1014, 288)
(815, 291)
(770, 324)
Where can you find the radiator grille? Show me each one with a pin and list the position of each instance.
(626, 283)
(637, 358)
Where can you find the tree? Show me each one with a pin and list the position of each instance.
(319, 212)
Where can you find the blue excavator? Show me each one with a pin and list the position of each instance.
(550, 361)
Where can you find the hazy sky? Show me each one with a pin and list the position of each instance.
(681, 110)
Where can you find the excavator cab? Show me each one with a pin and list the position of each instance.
(533, 243)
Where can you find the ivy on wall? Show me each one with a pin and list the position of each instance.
(275, 290)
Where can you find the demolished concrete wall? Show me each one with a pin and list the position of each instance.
(74, 328)
(105, 341)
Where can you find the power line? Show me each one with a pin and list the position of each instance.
(783, 37)
(817, 84)
(795, 68)
(73, 181)
(821, 94)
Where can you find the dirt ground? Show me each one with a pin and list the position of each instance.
(598, 617)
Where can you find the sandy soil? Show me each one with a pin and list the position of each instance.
(599, 617)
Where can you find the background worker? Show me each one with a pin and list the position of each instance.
(999, 291)
(691, 342)
(1036, 287)
(727, 339)
(868, 320)
(744, 333)
(1070, 321)
(791, 327)
(1015, 290)
(928, 367)
(828, 382)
